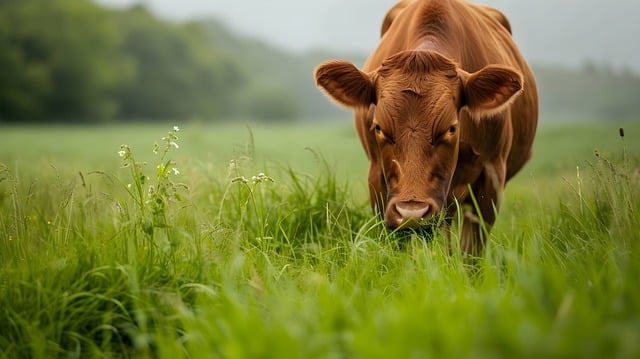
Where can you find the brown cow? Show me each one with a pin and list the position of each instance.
(445, 104)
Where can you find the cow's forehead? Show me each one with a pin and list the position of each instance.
(416, 87)
(417, 63)
(422, 73)
(412, 87)
(406, 111)
(429, 96)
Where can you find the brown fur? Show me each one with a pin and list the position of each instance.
(445, 103)
(393, 13)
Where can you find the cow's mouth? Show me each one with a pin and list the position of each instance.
(425, 232)
(417, 225)
(412, 214)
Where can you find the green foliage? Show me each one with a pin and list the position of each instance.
(177, 71)
(152, 198)
(72, 60)
(269, 68)
(254, 259)
(60, 58)
(268, 103)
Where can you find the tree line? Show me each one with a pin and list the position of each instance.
(76, 61)
(73, 60)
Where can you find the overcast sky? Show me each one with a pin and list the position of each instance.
(564, 32)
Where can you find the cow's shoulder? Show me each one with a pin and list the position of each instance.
(393, 13)
(399, 7)
(496, 15)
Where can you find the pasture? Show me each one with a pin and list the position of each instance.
(238, 241)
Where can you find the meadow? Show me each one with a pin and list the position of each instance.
(235, 241)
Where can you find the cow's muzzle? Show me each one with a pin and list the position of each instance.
(409, 214)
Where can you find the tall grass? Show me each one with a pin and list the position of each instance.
(264, 261)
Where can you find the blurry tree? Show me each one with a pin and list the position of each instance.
(73, 60)
(24, 86)
(60, 60)
(177, 71)
(268, 102)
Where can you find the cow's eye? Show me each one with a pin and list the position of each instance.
(447, 134)
(381, 135)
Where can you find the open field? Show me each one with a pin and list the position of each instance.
(260, 243)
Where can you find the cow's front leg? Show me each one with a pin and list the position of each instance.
(478, 220)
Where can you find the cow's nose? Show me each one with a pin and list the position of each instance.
(409, 213)
(412, 210)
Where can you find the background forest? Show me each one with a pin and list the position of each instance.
(76, 61)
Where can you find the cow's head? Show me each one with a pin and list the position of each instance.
(416, 98)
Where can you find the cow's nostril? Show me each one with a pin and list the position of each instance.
(412, 210)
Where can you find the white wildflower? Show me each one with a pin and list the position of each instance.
(261, 177)
(242, 179)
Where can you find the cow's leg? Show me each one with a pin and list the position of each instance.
(477, 221)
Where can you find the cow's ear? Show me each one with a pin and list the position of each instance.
(491, 89)
(344, 83)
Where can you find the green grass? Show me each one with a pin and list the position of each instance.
(100, 260)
